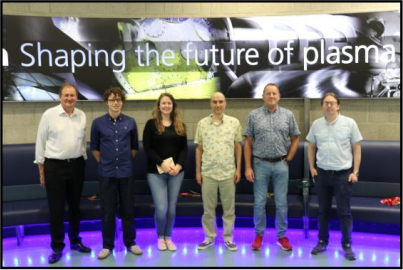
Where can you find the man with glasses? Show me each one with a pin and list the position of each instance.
(114, 143)
(338, 159)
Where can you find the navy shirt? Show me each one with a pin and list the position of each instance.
(115, 140)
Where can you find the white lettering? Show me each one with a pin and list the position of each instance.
(288, 50)
(4, 56)
(251, 53)
(187, 51)
(149, 52)
(231, 61)
(122, 60)
(89, 55)
(97, 52)
(63, 57)
(306, 60)
(40, 52)
(366, 49)
(165, 57)
(390, 50)
(271, 60)
(213, 52)
(333, 57)
(346, 53)
(139, 51)
(238, 57)
(27, 54)
(74, 64)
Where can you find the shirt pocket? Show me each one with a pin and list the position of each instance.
(80, 131)
(343, 134)
(55, 130)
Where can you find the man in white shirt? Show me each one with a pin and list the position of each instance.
(338, 159)
(60, 153)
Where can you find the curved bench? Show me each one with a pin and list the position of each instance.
(380, 177)
(25, 202)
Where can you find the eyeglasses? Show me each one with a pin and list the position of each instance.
(114, 100)
(329, 103)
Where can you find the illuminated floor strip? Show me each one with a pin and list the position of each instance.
(373, 250)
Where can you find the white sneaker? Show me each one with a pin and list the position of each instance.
(171, 246)
(104, 254)
(161, 244)
(136, 250)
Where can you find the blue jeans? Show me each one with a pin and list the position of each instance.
(327, 184)
(278, 171)
(165, 189)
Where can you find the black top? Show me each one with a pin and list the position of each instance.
(162, 146)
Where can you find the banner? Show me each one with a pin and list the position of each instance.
(353, 55)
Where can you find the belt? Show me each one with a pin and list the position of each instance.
(334, 171)
(65, 160)
(272, 160)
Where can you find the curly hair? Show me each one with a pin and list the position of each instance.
(116, 91)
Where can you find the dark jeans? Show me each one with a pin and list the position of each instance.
(327, 184)
(114, 192)
(64, 181)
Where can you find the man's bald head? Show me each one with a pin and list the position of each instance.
(218, 95)
(218, 103)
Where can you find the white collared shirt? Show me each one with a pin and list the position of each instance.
(334, 141)
(61, 136)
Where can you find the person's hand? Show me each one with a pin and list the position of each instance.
(175, 170)
(353, 178)
(199, 178)
(313, 173)
(250, 175)
(237, 176)
(166, 167)
(42, 180)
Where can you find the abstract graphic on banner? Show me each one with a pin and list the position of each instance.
(353, 55)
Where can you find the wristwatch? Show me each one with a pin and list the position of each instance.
(356, 173)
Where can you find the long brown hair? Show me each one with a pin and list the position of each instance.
(175, 116)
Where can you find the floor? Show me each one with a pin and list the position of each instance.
(373, 250)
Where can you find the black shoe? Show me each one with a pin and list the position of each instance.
(55, 257)
(348, 252)
(319, 248)
(80, 247)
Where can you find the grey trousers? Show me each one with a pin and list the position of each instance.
(210, 188)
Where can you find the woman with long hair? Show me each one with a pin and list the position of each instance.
(165, 143)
